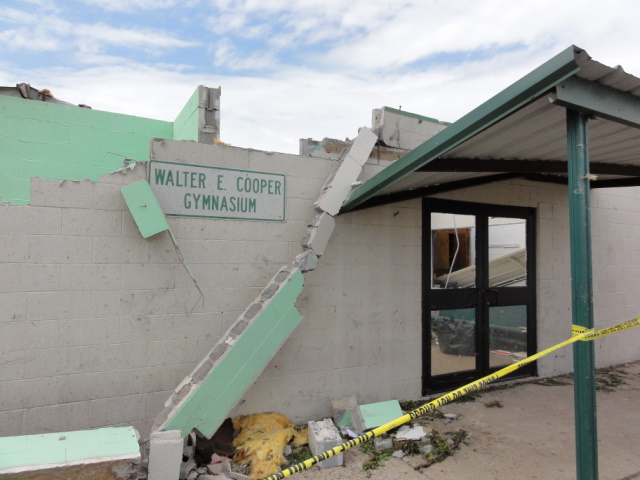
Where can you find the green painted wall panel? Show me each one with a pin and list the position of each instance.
(217, 412)
(27, 129)
(10, 168)
(59, 448)
(39, 139)
(69, 115)
(185, 126)
(210, 403)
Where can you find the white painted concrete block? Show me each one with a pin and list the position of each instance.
(339, 185)
(323, 436)
(320, 233)
(165, 455)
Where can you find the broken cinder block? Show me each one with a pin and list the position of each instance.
(306, 261)
(323, 436)
(338, 186)
(319, 233)
(165, 455)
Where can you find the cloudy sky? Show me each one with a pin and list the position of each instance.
(292, 69)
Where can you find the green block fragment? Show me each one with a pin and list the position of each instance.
(145, 208)
(376, 414)
(64, 447)
(208, 406)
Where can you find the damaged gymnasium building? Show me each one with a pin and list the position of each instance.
(198, 281)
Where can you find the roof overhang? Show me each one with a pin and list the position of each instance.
(521, 132)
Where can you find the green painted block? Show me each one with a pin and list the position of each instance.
(64, 447)
(185, 126)
(145, 208)
(376, 414)
(210, 403)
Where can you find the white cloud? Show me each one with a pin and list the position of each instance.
(53, 33)
(133, 5)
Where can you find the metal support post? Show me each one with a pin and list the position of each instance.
(582, 296)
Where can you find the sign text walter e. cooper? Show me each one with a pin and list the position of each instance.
(197, 191)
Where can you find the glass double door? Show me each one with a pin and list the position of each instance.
(478, 291)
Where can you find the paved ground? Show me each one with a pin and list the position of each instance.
(530, 437)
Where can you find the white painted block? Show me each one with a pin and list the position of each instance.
(320, 233)
(338, 187)
(165, 455)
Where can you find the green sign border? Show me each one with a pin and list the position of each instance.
(284, 177)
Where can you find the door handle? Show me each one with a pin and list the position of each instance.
(491, 296)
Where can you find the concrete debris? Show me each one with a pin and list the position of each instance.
(323, 436)
(220, 467)
(343, 409)
(398, 454)
(287, 450)
(306, 261)
(319, 233)
(450, 416)
(165, 455)
(406, 432)
(450, 441)
(373, 415)
(383, 443)
(187, 467)
(338, 186)
(426, 449)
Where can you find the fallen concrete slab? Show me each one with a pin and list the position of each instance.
(203, 400)
(104, 453)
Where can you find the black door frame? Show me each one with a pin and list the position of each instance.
(477, 297)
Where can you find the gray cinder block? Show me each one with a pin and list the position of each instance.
(323, 436)
(165, 455)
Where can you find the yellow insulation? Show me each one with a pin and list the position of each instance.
(261, 440)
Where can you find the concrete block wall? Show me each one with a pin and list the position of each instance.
(615, 216)
(96, 325)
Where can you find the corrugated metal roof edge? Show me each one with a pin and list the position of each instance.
(529, 87)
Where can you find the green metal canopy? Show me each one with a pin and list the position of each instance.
(572, 121)
(521, 132)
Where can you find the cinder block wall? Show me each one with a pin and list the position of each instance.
(615, 216)
(98, 325)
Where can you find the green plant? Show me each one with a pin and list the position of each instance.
(298, 455)
(376, 457)
(494, 404)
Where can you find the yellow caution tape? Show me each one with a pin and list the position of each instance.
(579, 334)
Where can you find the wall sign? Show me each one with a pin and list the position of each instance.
(185, 190)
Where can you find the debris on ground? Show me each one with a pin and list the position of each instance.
(343, 410)
(405, 432)
(373, 415)
(261, 440)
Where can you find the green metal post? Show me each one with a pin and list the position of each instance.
(582, 296)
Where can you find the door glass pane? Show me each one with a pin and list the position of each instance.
(453, 340)
(453, 250)
(507, 252)
(507, 335)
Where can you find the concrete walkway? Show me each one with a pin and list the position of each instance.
(530, 437)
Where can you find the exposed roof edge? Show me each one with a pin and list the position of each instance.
(529, 87)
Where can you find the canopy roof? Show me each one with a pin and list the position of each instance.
(521, 132)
